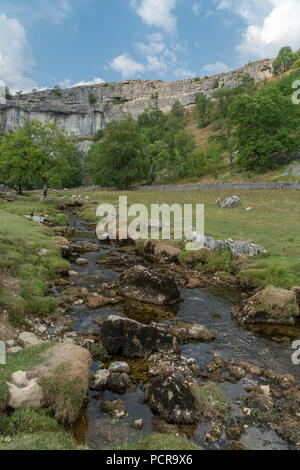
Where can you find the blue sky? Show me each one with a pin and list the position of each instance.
(48, 42)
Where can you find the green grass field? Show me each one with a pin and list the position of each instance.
(274, 223)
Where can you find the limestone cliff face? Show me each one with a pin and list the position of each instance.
(113, 100)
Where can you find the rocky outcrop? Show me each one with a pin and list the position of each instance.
(238, 248)
(114, 100)
(129, 338)
(145, 285)
(271, 306)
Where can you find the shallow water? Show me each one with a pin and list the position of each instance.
(210, 307)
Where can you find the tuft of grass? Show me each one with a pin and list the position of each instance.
(65, 398)
(158, 441)
(212, 400)
(58, 440)
(29, 420)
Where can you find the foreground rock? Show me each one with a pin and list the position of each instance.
(100, 379)
(159, 251)
(29, 339)
(129, 338)
(23, 392)
(230, 202)
(272, 306)
(172, 400)
(119, 367)
(145, 285)
(118, 383)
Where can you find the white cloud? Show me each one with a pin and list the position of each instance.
(67, 83)
(270, 24)
(15, 55)
(217, 67)
(225, 5)
(126, 66)
(152, 48)
(55, 11)
(184, 73)
(156, 64)
(157, 13)
(196, 9)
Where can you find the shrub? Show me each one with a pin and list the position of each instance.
(296, 64)
(57, 90)
(92, 99)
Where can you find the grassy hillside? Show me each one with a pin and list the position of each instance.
(24, 273)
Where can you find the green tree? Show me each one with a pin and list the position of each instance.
(16, 151)
(153, 124)
(264, 125)
(284, 60)
(203, 110)
(8, 94)
(37, 154)
(99, 135)
(118, 159)
(57, 90)
(178, 111)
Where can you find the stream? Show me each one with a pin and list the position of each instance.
(210, 307)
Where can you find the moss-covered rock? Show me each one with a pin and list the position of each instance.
(272, 306)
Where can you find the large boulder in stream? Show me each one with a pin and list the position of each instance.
(270, 306)
(172, 400)
(145, 285)
(126, 337)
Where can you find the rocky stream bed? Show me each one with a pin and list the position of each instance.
(244, 378)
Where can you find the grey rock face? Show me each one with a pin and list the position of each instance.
(115, 100)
